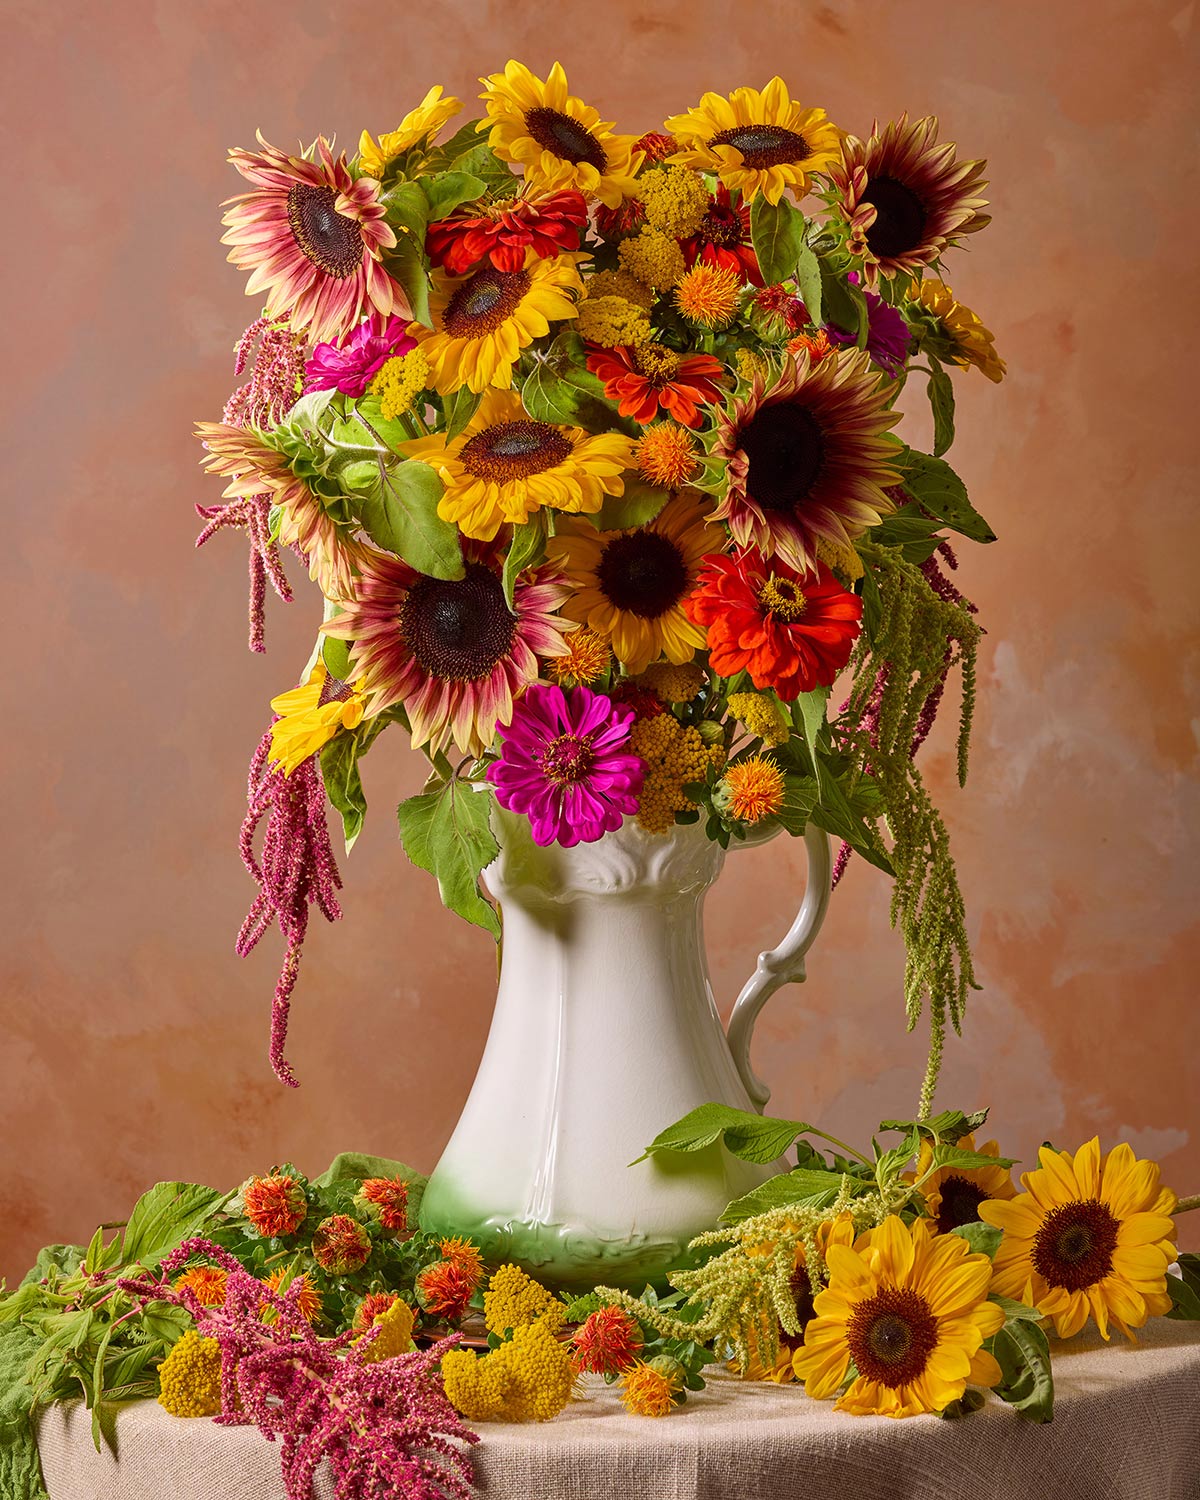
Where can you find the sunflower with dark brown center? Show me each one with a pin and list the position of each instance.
(482, 321)
(909, 1307)
(630, 585)
(450, 650)
(906, 198)
(559, 141)
(1087, 1236)
(953, 1194)
(757, 142)
(504, 467)
(808, 457)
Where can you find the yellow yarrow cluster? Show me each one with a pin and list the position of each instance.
(514, 1300)
(750, 364)
(675, 200)
(842, 557)
(190, 1377)
(674, 755)
(654, 258)
(762, 716)
(612, 322)
(395, 1333)
(671, 683)
(527, 1379)
(400, 382)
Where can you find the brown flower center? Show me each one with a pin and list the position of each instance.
(642, 573)
(891, 1336)
(565, 137)
(334, 690)
(899, 218)
(721, 226)
(960, 1203)
(483, 302)
(458, 629)
(567, 759)
(1074, 1247)
(784, 447)
(514, 450)
(764, 145)
(329, 239)
(783, 597)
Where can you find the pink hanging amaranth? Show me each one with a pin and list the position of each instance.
(385, 1427)
(297, 868)
(263, 401)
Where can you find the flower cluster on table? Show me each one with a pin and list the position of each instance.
(898, 1282)
(586, 440)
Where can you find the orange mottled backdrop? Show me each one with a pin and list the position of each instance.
(132, 1042)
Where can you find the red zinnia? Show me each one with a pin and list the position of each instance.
(791, 631)
(444, 1289)
(644, 378)
(506, 231)
(275, 1205)
(607, 1343)
(723, 239)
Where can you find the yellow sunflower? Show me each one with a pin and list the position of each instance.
(310, 716)
(953, 1194)
(971, 342)
(757, 142)
(418, 125)
(481, 322)
(1087, 1236)
(630, 585)
(558, 140)
(504, 466)
(909, 1306)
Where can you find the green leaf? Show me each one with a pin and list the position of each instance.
(941, 400)
(969, 1401)
(528, 547)
(747, 1135)
(639, 503)
(954, 1156)
(448, 190)
(20, 1468)
(465, 138)
(457, 410)
(481, 161)
(808, 715)
(910, 529)
(938, 488)
(1184, 1289)
(848, 818)
(777, 232)
(813, 1189)
(357, 1166)
(799, 799)
(892, 1163)
(343, 786)
(336, 656)
(448, 832)
(946, 1128)
(1015, 1312)
(808, 280)
(408, 210)
(1023, 1355)
(61, 1258)
(300, 437)
(984, 1239)
(845, 306)
(162, 1218)
(405, 263)
(564, 399)
(399, 508)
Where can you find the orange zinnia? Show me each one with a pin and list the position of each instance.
(650, 376)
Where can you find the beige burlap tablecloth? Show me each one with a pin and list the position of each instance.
(1126, 1427)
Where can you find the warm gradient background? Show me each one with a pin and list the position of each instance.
(133, 1041)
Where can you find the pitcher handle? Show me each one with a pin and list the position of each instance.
(781, 965)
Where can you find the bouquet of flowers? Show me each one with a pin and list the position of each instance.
(586, 440)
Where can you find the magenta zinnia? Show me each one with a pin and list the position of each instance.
(353, 365)
(808, 457)
(311, 235)
(566, 765)
(451, 651)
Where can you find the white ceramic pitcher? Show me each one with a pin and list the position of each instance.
(605, 1032)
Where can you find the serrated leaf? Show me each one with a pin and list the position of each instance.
(808, 715)
(448, 832)
(1023, 1354)
(777, 232)
(638, 504)
(799, 799)
(481, 161)
(933, 483)
(552, 396)
(984, 1239)
(457, 410)
(947, 1128)
(399, 508)
(802, 1186)
(528, 547)
(941, 401)
(449, 190)
(891, 1163)
(955, 1156)
(750, 1136)
(166, 1215)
